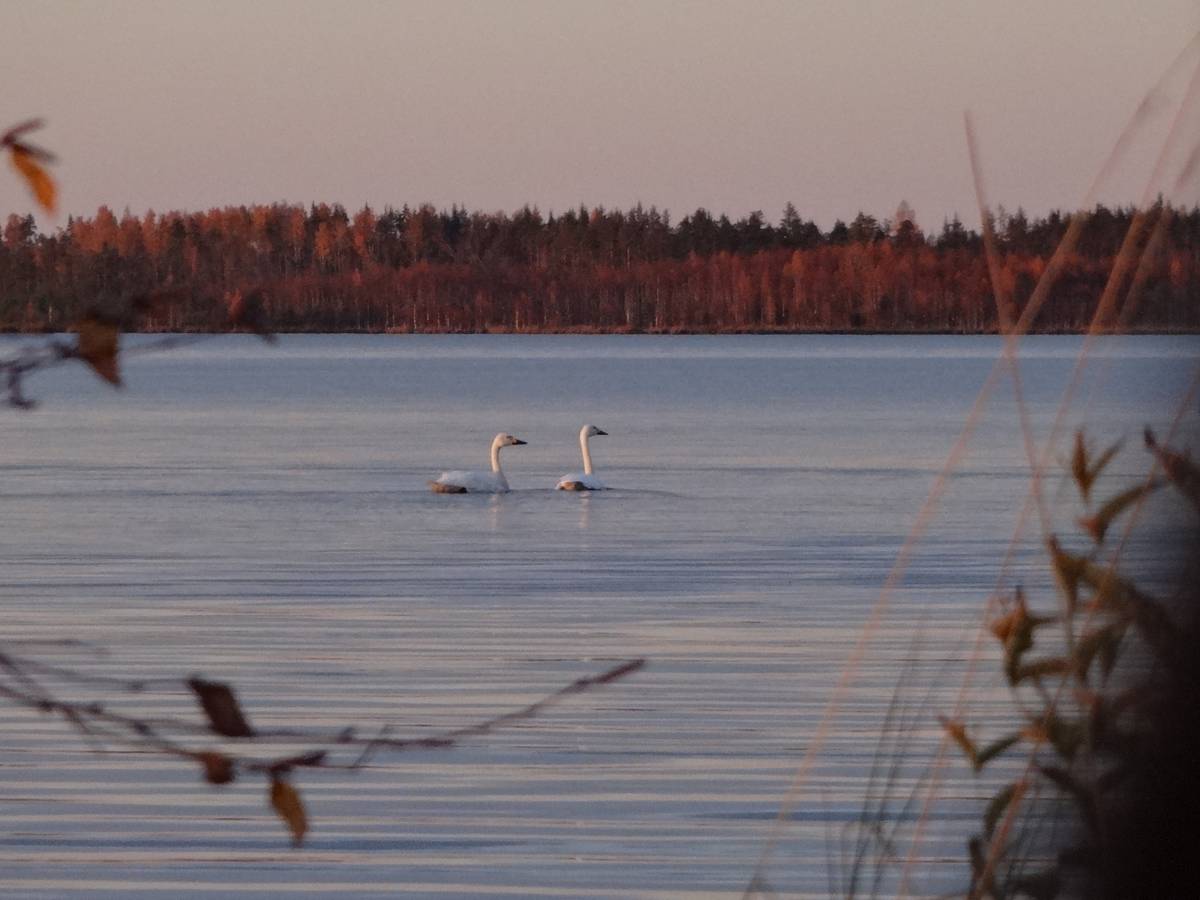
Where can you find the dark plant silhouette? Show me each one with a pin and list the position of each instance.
(1094, 680)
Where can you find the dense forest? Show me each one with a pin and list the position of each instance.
(428, 270)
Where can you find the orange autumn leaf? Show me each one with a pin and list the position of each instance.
(285, 800)
(38, 179)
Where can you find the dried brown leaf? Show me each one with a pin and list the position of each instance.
(13, 135)
(218, 768)
(1079, 466)
(1103, 642)
(1035, 733)
(1122, 597)
(1085, 471)
(1064, 736)
(98, 347)
(1179, 467)
(1015, 630)
(221, 706)
(286, 802)
(1097, 525)
(958, 733)
(1105, 458)
(1068, 570)
(996, 807)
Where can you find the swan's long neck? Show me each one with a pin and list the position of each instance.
(496, 466)
(587, 454)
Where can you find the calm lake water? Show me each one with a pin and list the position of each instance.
(260, 515)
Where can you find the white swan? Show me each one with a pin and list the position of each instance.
(585, 480)
(492, 482)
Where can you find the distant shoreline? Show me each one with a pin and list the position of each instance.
(324, 270)
(915, 332)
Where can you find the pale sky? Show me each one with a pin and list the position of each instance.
(835, 106)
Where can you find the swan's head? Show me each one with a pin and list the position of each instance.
(506, 440)
(591, 431)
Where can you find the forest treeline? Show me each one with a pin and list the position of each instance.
(426, 270)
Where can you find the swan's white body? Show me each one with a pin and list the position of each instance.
(585, 480)
(492, 482)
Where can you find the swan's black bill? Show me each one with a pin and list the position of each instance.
(517, 441)
(600, 431)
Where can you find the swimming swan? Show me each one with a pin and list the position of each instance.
(492, 482)
(585, 480)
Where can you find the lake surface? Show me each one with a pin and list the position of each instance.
(260, 515)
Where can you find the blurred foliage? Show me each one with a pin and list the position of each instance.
(30, 160)
(1080, 723)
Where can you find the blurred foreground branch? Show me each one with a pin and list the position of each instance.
(224, 745)
(97, 341)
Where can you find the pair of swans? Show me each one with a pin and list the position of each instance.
(494, 482)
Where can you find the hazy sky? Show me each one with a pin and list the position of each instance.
(733, 106)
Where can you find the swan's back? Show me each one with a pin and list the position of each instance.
(459, 482)
(493, 482)
(580, 481)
